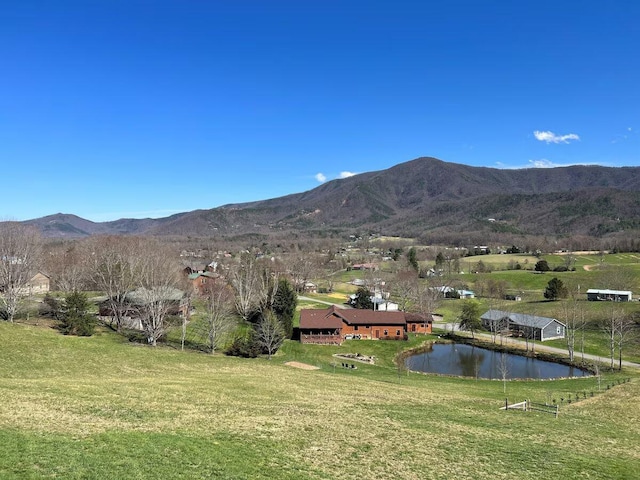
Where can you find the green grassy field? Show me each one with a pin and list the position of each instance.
(103, 407)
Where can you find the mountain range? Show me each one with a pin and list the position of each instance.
(425, 196)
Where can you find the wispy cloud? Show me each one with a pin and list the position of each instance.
(550, 137)
(542, 163)
(321, 177)
(622, 137)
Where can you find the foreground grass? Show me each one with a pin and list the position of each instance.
(102, 407)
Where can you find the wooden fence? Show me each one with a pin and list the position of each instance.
(529, 406)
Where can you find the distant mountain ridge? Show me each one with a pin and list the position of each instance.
(411, 198)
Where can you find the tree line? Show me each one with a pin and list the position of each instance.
(250, 307)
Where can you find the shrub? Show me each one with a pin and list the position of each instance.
(75, 319)
(245, 344)
(542, 266)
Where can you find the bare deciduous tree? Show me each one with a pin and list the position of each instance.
(219, 313)
(271, 334)
(20, 256)
(609, 326)
(404, 287)
(67, 267)
(503, 368)
(158, 295)
(625, 331)
(303, 268)
(573, 315)
(115, 266)
(427, 298)
(247, 285)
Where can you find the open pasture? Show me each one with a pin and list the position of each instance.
(102, 407)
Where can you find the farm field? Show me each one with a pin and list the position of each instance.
(103, 407)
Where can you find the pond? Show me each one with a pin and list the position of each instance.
(470, 361)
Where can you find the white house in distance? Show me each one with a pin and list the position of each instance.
(448, 292)
(521, 324)
(593, 294)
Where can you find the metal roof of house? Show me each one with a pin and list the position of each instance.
(609, 292)
(141, 295)
(520, 318)
(193, 276)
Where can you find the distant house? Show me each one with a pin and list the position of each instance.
(450, 292)
(520, 324)
(39, 283)
(310, 287)
(384, 305)
(135, 300)
(595, 295)
(202, 280)
(466, 294)
(417, 323)
(380, 301)
(365, 266)
(334, 325)
(194, 267)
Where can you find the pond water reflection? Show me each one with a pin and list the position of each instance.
(470, 361)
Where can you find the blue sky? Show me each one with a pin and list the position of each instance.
(115, 109)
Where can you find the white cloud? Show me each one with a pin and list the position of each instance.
(551, 137)
(321, 177)
(542, 163)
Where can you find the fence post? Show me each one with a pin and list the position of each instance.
(506, 404)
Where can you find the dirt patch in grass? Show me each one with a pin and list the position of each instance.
(302, 366)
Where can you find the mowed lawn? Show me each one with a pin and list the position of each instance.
(102, 407)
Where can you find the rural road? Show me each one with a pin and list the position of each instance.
(309, 299)
(538, 346)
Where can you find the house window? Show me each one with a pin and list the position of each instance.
(397, 333)
(386, 332)
(558, 330)
(413, 327)
(356, 328)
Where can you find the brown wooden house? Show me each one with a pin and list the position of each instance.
(417, 323)
(202, 281)
(334, 325)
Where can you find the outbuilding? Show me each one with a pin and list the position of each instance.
(594, 295)
(522, 324)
